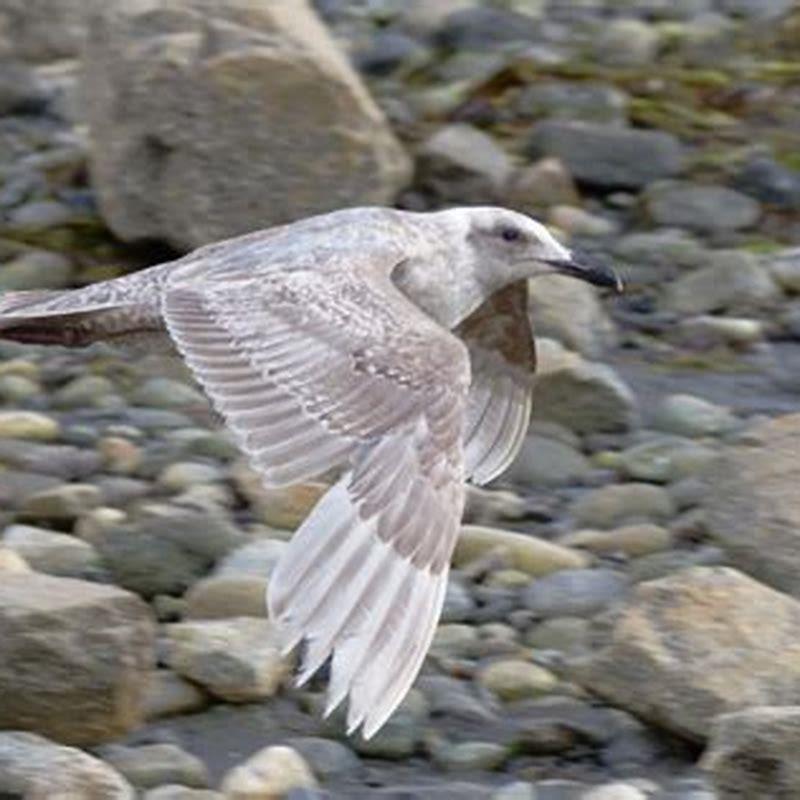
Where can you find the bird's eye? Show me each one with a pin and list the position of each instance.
(510, 234)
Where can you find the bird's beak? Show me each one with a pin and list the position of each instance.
(589, 270)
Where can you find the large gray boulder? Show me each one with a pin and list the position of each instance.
(210, 119)
(75, 658)
(42, 30)
(686, 648)
(751, 503)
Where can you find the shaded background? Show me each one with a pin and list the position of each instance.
(623, 601)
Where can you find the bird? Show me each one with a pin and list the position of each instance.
(390, 347)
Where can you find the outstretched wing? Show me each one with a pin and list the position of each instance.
(503, 354)
(314, 368)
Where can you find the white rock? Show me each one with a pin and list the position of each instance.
(268, 775)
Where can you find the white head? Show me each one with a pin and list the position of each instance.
(505, 246)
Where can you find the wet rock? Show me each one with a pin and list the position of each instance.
(575, 592)
(608, 156)
(148, 766)
(612, 506)
(28, 425)
(539, 186)
(164, 548)
(36, 269)
(570, 311)
(750, 503)
(168, 694)
(37, 769)
(520, 551)
(266, 91)
(544, 461)
(50, 552)
(221, 597)
(268, 775)
(698, 641)
(461, 164)
(732, 280)
(92, 647)
(238, 660)
(63, 503)
(585, 397)
(625, 43)
(584, 100)
(514, 679)
(753, 753)
(700, 207)
(631, 540)
(687, 415)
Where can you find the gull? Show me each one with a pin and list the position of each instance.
(389, 345)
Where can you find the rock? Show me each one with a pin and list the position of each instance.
(39, 215)
(400, 737)
(62, 461)
(15, 389)
(750, 503)
(164, 549)
(238, 660)
(544, 461)
(611, 506)
(756, 9)
(570, 311)
(183, 475)
(664, 459)
(175, 792)
(625, 43)
(539, 186)
(687, 415)
(75, 658)
(606, 155)
(51, 552)
(11, 561)
(151, 765)
(520, 551)
(36, 269)
(519, 790)
(329, 760)
(753, 753)
(389, 53)
(284, 507)
(455, 641)
(163, 392)
(44, 30)
(28, 425)
(582, 100)
(706, 332)
(268, 775)
(481, 28)
(514, 679)
(34, 768)
(87, 390)
(465, 756)
(615, 791)
(586, 398)
(631, 540)
(220, 597)
(576, 221)
(770, 183)
(168, 694)
(698, 641)
(665, 248)
(62, 503)
(461, 164)
(732, 280)
(785, 268)
(574, 592)
(267, 92)
(257, 558)
(700, 207)
(567, 635)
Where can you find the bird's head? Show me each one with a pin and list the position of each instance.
(506, 245)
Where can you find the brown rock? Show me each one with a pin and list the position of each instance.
(75, 658)
(705, 641)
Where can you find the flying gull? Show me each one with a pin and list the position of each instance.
(392, 345)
